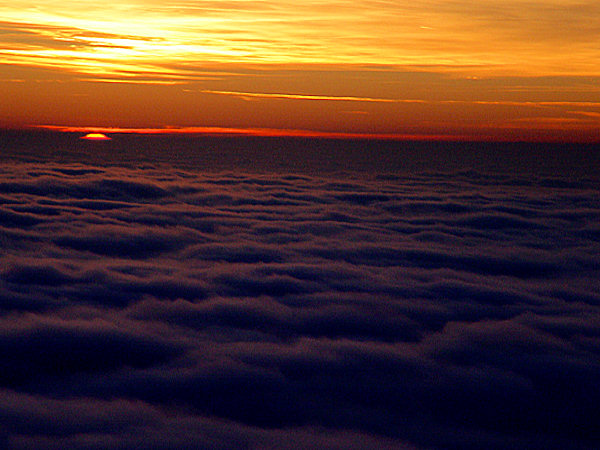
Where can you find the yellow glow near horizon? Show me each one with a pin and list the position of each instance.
(475, 65)
(507, 36)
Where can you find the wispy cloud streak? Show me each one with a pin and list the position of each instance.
(311, 97)
(397, 100)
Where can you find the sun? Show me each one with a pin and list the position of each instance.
(96, 137)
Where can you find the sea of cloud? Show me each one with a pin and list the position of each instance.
(162, 307)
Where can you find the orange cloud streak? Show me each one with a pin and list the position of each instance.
(259, 132)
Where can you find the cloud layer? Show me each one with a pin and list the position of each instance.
(156, 306)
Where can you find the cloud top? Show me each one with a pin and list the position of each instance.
(169, 306)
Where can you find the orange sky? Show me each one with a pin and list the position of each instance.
(489, 69)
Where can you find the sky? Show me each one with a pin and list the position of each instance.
(462, 69)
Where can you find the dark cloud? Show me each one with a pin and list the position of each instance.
(40, 275)
(123, 242)
(34, 348)
(152, 305)
(12, 219)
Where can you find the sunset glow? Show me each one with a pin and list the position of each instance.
(491, 70)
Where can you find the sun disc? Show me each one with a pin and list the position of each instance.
(96, 137)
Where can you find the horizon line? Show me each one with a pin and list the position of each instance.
(302, 133)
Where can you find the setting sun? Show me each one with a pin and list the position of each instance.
(96, 137)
